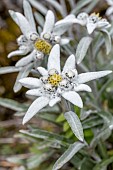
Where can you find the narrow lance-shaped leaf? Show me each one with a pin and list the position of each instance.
(75, 124)
(38, 6)
(14, 105)
(103, 135)
(107, 41)
(68, 154)
(9, 69)
(82, 48)
(103, 165)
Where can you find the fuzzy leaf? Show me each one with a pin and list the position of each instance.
(75, 124)
(38, 5)
(68, 154)
(103, 135)
(82, 48)
(11, 104)
(107, 41)
(9, 69)
(48, 136)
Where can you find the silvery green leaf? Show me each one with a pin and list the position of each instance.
(38, 6)
(80, 5)
(29, 15)
(103, 135)
(15, 160)
(107, 40)
(91, 122)
(75, 124)
(48, 144)
(68, 154)
(91, 6)
(72, 4)
(107, 116)
(39, 18)
(22, 74)
(85, 113)
(82, 48)
(9, 69)
(56, 5)
(87, 163)
(11, 104)
(103, 164)
(35, 160)
(48, 136)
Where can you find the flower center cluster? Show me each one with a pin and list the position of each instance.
(95, 17)
(43, 46)
(55, 79)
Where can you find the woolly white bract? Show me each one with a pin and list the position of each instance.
(54, 84)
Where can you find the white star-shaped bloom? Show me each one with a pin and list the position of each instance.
(37, 44)
(92, 22)
(55, 84)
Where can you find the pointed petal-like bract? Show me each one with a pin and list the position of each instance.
(14, 17)
(64, 41)
(63, 25)
(30, 82)
(69, 64)
(24, 25)
(28, 14)
(60, 29)
(42, 71)
(91, 27)
(35, 107)
(54, 58)
(49, 22)
(25, 60)
(82, 87)
(74, 98)
(70, 18)
(34, 92)
(54, 101)
(17, 52)
(85, 77)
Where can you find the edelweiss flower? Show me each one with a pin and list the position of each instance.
(54, 84)
(109, 11)
(92, 22)
(31, 41)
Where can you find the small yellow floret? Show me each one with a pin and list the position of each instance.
(43, 46)
(55, 79)
(97, 15)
